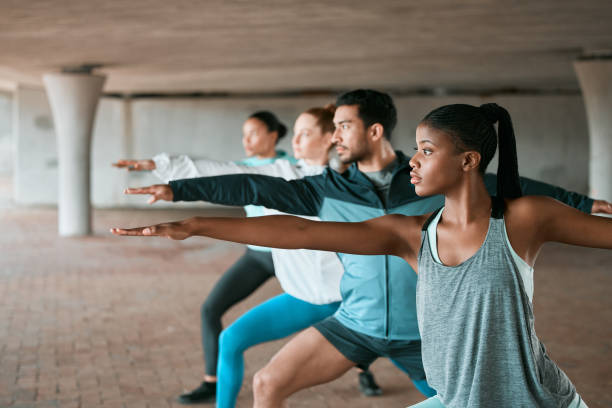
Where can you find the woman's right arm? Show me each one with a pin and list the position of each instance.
(387, 235)
(166, 167)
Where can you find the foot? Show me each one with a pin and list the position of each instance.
(206, 392)
(367, 384)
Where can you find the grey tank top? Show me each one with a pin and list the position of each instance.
(476, 321)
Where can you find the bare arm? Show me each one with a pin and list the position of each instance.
(532, 187)
(533, 220)
(387, 235)
(562, 223)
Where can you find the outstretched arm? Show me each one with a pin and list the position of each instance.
(301, 197)
(538, 188)
(534, 220)
(561, 223)
(166, 167)
(391, 234)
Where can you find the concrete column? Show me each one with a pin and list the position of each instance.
(595, 77)
(74, 98)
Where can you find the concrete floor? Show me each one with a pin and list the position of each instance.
(110, 321)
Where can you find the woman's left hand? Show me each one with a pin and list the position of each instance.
(171, 230)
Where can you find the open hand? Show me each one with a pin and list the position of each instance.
(135, 165)
(171, 230)
(157, 191)
(601, 207)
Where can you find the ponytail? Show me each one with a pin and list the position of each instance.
(471, 128)
(282, 130)
(508, 183)
(324, 116)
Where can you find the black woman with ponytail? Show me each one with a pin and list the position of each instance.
(474, 257)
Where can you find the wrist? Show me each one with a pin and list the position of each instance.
(190, 226)
(590, 206)
(171, 190)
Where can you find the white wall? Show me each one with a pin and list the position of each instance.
(35, 171)
(551, 132)
(6, 133)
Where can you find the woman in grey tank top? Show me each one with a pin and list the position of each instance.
(474, 258)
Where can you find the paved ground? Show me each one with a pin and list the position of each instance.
(106, 321)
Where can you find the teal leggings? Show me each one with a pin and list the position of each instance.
(274, 319)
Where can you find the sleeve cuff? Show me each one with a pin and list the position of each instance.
(162, 167)
(587, 205)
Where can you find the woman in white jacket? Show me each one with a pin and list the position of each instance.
(309, 278)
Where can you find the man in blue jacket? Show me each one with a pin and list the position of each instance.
(377, 317)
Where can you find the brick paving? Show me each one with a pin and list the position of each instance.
(107, 321)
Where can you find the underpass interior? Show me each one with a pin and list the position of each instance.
(88, 319)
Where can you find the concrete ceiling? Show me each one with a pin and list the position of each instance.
(283, 46)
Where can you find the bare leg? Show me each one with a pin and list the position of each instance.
(307, 360)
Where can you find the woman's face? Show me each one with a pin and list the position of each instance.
(257, 140)
(309, 142)
(436, 164)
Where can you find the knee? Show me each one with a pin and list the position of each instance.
(209, 311)
(229, 341)
(266, 385)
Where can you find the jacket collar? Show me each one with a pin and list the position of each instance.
(356, 175)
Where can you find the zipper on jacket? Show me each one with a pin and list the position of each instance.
(388, 300)
(387, 297)
(401, 167)
(385, 209)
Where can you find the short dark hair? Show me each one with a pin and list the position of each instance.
(374, 107)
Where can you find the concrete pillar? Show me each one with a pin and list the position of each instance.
(73, 98)
(595, 77)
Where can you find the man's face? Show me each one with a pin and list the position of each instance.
(350, 136)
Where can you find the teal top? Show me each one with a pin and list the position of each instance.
(257, 210)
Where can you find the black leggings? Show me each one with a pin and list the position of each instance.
(239, 281)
